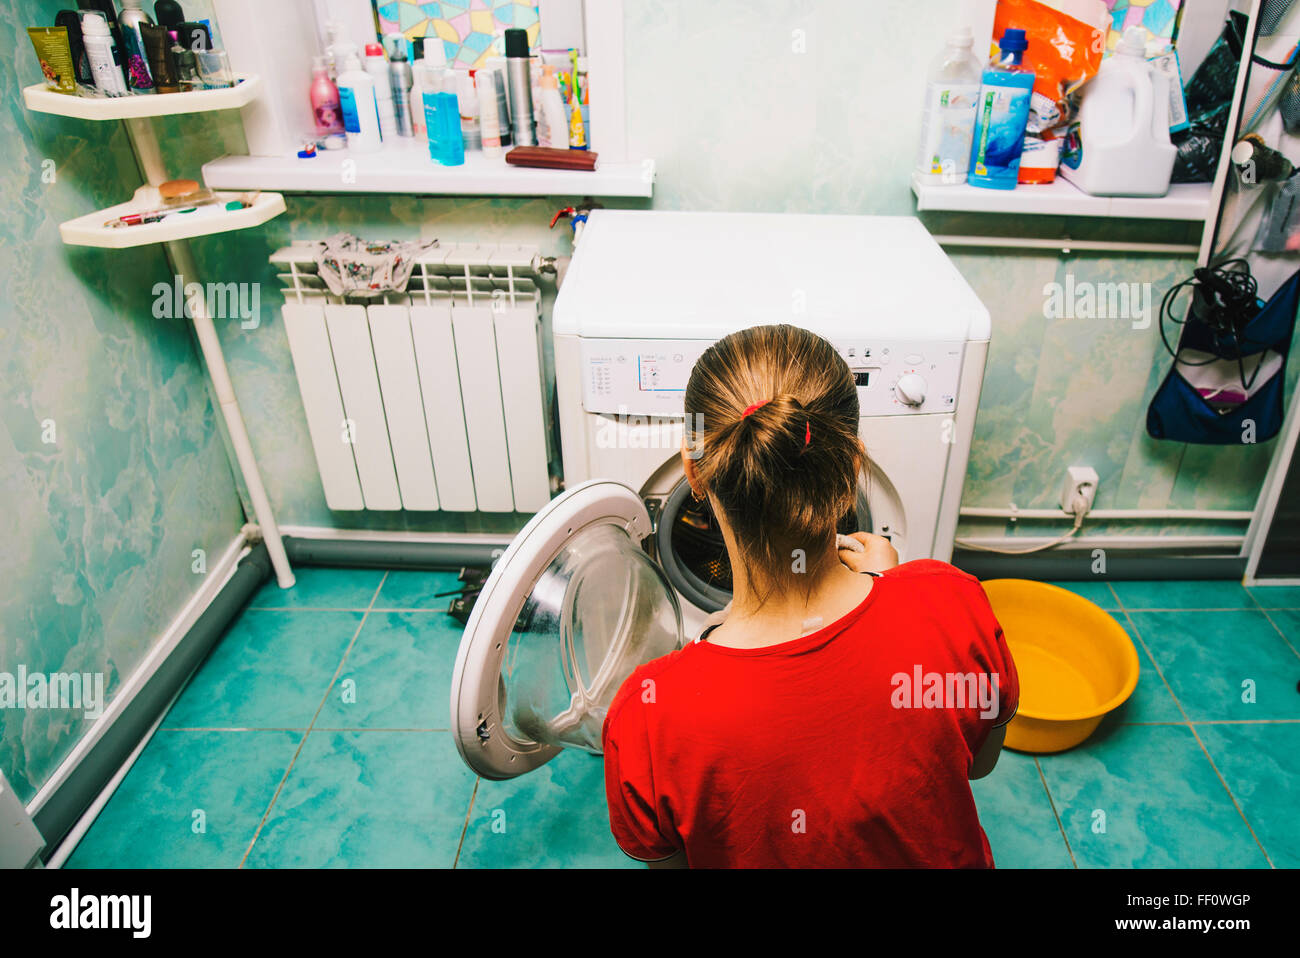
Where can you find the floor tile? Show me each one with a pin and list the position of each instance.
(321, 588)
(270, 670)
(1288, 623)
(1151, 701)
(407, 589)
(1146, 797)
(1260, 761)
(1208, 657)
(1098, 593)
(1017, 816)
(553, 817)
(368, 799)
(398, 674)
(151, 820)
(1276, 596)
(1211, 594)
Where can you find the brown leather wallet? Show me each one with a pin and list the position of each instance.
(547, 158)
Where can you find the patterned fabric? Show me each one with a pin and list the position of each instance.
(470, 30)
(353, 266)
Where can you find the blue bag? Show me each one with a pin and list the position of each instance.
(1227, 381)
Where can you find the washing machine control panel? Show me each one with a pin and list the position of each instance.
(647, 377)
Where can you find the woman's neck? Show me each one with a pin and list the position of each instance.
(778, 614)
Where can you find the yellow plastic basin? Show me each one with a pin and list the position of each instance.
(1075, 662)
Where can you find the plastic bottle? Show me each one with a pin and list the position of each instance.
(948, 123)
(557, 121)
(442, 119)
(138, 77)
(377, 67)
(325, 105)
(1124, 126)
(103, 55)
(401, 79)
(1001, 115)
(360, 107)
(467, 100)
(485, 88)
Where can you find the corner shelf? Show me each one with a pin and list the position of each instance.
(41, 99)
(408, 168)
(89, 230)
(1184, 201)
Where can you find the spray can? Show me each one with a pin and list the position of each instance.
(519, 80)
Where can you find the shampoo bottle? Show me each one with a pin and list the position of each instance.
(360, 109)
(377, 67)
(442, 118)
(948, 123)
(1001, 115)
(557, 121)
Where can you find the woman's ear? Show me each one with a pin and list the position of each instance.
(688, 466)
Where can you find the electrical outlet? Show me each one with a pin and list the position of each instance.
(1080, 482)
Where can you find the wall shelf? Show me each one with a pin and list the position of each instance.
(41, 99)
(407, 168)
(89, 230)
(1184, 201)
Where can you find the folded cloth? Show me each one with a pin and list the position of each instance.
(349, 265)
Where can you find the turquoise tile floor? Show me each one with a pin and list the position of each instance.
(316, 735)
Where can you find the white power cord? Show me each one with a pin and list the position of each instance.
(1079, 511)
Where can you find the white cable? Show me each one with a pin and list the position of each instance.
(1080, 509)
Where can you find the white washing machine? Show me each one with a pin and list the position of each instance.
(624, 565)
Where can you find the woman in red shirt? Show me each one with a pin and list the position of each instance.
(832, 718)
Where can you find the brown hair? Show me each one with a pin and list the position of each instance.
(783, 473)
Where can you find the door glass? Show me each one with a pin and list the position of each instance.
(600, 609)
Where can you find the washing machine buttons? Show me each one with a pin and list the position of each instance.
(910, 389)
(914, 359)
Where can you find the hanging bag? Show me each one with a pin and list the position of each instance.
(1226, 384)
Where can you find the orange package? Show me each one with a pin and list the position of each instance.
(1064, 51)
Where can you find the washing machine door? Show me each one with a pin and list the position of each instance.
(570, 609)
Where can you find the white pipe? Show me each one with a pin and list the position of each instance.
(1120, 541)
(1207, 515)
(225, 391)
(1066, 246)
(145, 142)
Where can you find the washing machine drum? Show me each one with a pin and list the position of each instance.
(571, 608)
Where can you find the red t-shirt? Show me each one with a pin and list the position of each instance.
(847, 747)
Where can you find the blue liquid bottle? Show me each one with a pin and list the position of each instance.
(442, 118)
(1001, 114)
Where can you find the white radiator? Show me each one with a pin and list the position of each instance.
(427, 400)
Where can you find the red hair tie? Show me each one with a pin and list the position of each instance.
(807, 434)
(749, 409)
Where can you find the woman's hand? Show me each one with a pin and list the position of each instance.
(876, 555)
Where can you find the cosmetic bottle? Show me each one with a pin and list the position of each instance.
(162, 65)
(401, 78)
(442, 119)
(168, 13)
(325, 106)
(359, 106)
(187, 65)
(107, 10)
(138, 77)
(489, 120)
(103, 55)
(418, 86)
(557, 121)
(377, 66)
(520, 85)
(467, 105)
(70, 20)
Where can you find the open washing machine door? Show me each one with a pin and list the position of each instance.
(571, 608)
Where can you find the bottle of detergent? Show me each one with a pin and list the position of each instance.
(948, 124)
(1001, 115)
(1123, 143)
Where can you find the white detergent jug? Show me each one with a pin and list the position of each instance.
(1124, 127)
